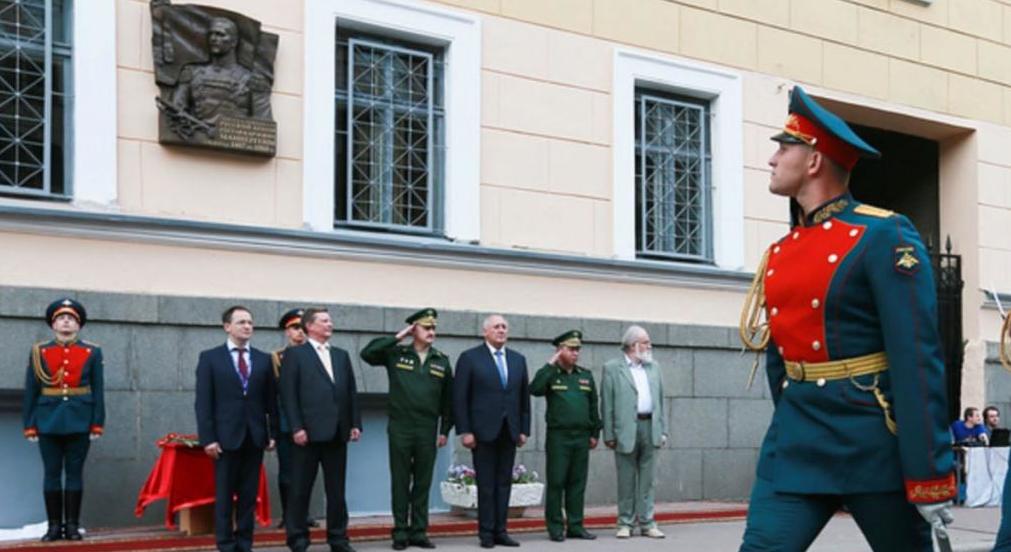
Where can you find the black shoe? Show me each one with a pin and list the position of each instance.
(505, 540)
(557, 537)
(487, 544)
(344, 547)
(584, 534)
(311, 523)
(399, 545)
(422, 543)
(71, 532)
(53, 533)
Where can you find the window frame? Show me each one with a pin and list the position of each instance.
(460, 33)
(435, 142)
(722, 88)
(92, 170)
(51, 50)
(642, 95)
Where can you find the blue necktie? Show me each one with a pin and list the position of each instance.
(501, 368)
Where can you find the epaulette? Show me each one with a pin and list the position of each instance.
(91, 344)
(872, 211)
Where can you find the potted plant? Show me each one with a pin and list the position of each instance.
(459, 490)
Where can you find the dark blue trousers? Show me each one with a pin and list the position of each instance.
(236, 474)
(786, 522)
(493, 462)
(63, 454)
(305, 463)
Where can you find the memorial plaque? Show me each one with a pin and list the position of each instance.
(215, 70)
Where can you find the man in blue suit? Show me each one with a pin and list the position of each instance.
(236, 419)
(491, 404)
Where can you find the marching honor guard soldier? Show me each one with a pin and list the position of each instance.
(64, 410)
(1003, 542)
(421, 407)
(291, 323)
(853, 358)
(573, 423)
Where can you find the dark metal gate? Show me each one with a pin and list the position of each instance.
(948, 276)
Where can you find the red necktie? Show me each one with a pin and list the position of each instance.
(243, 368)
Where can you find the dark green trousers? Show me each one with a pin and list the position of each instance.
(786, 522)
(568, 459)
(412, 458)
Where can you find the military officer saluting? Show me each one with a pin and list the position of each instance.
(573, 422)
(64, 410)
(420, 398)
(853, 357)
(294, 335)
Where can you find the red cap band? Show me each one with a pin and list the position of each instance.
(813, 135)
(65, 310)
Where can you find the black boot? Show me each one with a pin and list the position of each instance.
(72, 503)
(54, 514)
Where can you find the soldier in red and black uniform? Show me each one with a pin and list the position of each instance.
(63, 411)
(853, 358)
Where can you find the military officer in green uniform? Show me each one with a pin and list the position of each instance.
(573, 427)
(420, 399)
(294, 335)
(63, 411)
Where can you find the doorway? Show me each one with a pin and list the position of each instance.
(904, 180)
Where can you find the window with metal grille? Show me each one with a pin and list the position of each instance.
(390, 144)
(35, 97)
(673, 177)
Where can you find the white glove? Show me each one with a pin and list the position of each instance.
(938, 515)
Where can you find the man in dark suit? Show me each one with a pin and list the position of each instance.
(491, 404)
(320, 401)
(236, 418)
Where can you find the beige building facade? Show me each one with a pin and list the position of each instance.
(539, 113)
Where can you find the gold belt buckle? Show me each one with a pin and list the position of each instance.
(796, 371)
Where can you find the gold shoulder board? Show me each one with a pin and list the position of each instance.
(872, 211)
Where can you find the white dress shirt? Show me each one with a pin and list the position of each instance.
(645, 404)
(323, 351)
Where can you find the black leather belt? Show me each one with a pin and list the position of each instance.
(645, 416)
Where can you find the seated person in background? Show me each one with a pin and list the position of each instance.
(991, 419)
(969, 430)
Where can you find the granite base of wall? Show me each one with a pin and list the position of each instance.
(151, 342)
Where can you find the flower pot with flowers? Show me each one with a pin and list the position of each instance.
(459, 490)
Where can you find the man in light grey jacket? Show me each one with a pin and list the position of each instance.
(631, 402)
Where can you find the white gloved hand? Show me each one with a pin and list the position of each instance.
(938, 515)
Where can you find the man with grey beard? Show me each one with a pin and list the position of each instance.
(631, 404)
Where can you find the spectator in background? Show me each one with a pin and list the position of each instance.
(991, 419)
(969, 430)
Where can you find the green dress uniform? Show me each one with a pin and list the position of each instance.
(572, 420)
(420, 408)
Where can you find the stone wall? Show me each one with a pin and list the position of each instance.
(151, 344)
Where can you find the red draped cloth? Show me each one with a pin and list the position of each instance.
(184, 476)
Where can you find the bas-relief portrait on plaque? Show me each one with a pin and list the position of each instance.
(215, 70)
